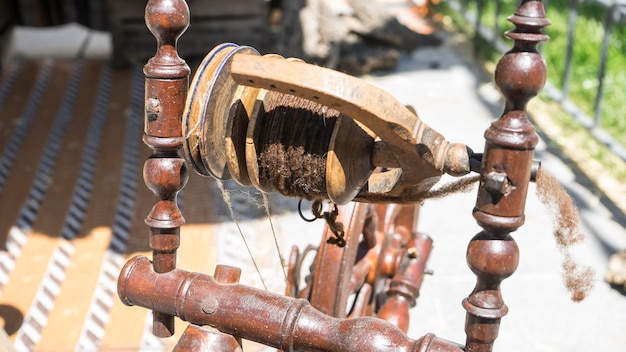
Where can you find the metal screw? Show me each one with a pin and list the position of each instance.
(153, 108)
(497, 183)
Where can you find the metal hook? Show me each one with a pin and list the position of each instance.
(315, 215)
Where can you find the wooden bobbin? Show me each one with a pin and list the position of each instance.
(222, 128)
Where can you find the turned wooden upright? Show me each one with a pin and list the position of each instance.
(165, 172)
(506, 170)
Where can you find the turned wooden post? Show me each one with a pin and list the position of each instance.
(510, 141)
(165, 172)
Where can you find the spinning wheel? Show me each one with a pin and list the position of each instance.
(244, 121)
(382, 264)
(250, 118)
(285, 126)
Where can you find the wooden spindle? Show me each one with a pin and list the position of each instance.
(507, 162)
(405, 285)
(165, 172)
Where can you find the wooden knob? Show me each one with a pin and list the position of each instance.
(167, 20)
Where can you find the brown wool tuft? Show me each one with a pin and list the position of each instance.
(460, 185)
(293, 144)
(578, 279)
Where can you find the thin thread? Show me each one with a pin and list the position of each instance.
(578, 279)
(269, 218)
(226, 197)
(193, 130)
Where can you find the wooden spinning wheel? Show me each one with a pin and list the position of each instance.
(285, 126)
(383, 265)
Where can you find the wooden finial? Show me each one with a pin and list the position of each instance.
(521, 72)
(167, 20)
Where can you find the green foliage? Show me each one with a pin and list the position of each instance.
(588, 35)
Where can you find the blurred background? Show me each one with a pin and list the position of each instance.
(72, 198)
